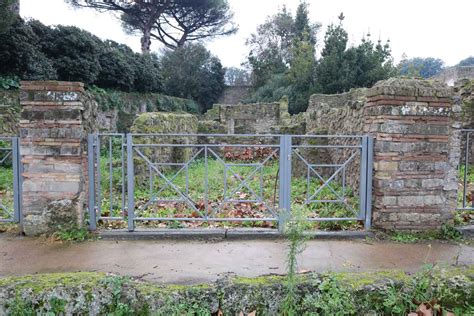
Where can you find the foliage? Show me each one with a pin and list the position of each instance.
(236, 77)
(301, 74)
(420, 67)
(8, 83)
(192, 72)
(73, 234)
(283, 60)
(21, 54)
(172, 23)
(145, 12)
(118, 67)
(341, 68)
(446, 232)
(294, 230)
(187, 21)
(147, 74)
(331, 298)
(73, 52)
(469, 61)
(7, 15)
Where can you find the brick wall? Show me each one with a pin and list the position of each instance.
(415, 153)
(53, 133)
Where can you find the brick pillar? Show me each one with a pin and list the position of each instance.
(415, 167)
(52, 149)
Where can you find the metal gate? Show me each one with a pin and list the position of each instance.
(221, 180)
(10, 179)
(466, 175)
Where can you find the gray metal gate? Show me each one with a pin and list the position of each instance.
(10, 179)
(466, 172)
(218, 179)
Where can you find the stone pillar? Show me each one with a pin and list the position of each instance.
(415, 180)
(53, 137)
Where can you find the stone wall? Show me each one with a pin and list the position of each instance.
(55, 120)
(338, 114)
(416, 153)
(452, 75)
(164, 123)
(255, 118)
(9, 112)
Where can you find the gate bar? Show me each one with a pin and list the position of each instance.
(363, 179)
(91, 176)
(16, 179)
(370, 166)
(284, 203)
(130, 184)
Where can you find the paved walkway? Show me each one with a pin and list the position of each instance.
(182, 262)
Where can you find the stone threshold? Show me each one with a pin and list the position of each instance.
(224, 234)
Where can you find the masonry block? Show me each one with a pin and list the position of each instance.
(414, 153)
(53, 146)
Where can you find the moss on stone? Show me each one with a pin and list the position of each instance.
(98, 293)
(49, 281)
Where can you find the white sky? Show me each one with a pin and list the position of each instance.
(418, 28)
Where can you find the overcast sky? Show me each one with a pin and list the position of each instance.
(425, 28)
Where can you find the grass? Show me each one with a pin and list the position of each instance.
(447, 232)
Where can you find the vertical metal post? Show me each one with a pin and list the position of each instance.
(130, 184)
(466, 170)
(284, 203)
(370, 166)
(206, 183)
(91, 179)
(16, 179)
(363, 179)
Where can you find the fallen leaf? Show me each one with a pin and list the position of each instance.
(424, 310)
(254, 313)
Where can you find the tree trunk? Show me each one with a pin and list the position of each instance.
(146, 41)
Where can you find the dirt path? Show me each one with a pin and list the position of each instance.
(203, 261)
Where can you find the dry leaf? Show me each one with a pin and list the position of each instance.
(424, 310)
(412, 314)
(254, 313)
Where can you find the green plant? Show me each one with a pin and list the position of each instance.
(73, 234)
(404, 237)
(7, 83)
(332, 298)
(449, 232)
(118, 308)
(294, 231)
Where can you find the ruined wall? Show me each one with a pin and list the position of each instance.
(452, 75)
(255, 118)
(55, 119)
(416, 153)
(163, 123)
(338, 114)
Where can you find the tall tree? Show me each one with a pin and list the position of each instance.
(331, 72)
(282, 58)
(144, 13)
(467, 62)
(341, 68)
(237, 77)
(188, 21)
(192, 72)
(9, 12)
(421, 67)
